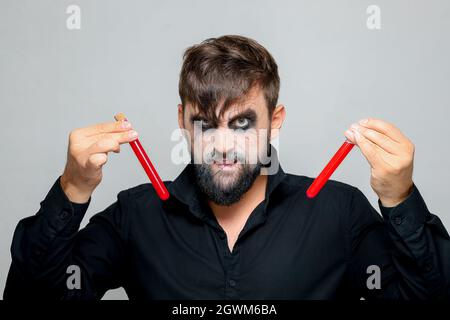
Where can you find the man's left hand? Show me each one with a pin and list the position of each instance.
(390, 155)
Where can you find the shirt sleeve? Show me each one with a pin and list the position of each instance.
(52, 259)
(406, 248)
(79, 209)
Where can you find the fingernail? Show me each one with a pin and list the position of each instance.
(363, 121)
(357, 135)
(132, 134)
(126, 124)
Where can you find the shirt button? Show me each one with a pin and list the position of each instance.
(232, 283)
(398, 220)
(64, 215)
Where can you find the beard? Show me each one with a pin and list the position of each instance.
(225, 187)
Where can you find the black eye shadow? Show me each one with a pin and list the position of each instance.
(205, 124)
(248, 114)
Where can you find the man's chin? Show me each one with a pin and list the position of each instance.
(225, 187)
(226, 179)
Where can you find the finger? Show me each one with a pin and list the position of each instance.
(379, 139)
(106, 127)
(104, 146)
(121, 138)
(383, 127)
(368, 149)
(96, 161)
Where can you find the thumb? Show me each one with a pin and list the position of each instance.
(350, 136)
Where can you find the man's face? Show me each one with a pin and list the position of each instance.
(227, 154)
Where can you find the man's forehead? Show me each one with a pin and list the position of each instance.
(254, 100)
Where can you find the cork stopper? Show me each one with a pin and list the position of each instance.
(120, 117)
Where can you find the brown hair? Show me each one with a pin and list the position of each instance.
(221, 71)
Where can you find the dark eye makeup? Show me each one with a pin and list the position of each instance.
(242, 121)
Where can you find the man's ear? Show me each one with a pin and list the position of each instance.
(278, 116)
(180, 116)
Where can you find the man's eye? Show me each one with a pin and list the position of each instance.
(205, 124)
(241, 123)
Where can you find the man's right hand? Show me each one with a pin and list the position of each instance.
(88, 152)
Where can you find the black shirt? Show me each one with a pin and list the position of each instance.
(291, 247)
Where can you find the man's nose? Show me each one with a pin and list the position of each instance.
(224, 141)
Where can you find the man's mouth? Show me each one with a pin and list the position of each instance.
(225, 164)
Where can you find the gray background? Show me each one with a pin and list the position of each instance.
(127, 57)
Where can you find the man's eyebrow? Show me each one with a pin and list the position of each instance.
(197, 117)
(248, 113)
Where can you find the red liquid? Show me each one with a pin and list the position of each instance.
(157, 183)
(323, 177)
